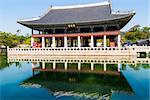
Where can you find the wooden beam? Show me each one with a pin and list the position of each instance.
(107, 33)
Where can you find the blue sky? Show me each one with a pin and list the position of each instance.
(12, 10)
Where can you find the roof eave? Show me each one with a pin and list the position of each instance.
(78, 23)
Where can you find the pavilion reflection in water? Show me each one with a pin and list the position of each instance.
(82, 80)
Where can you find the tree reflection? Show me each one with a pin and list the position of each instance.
(4, 63)
(136, 66)
(18, 64)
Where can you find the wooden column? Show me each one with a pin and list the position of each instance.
(105, 67)
(49, 42)
(104, 41)
(105, 38)
(32, 41)
(66, 67)
(119, 40)
(79, 66)
(65, 41)
(65, 30)
(92, 66)
(53, 30)
(79, 41)
(92, 28)
(78, 29)
(92, 41)
(43, 42)
(53, 42)
(119, 67)
(54, 65)
(43, 65)
(32, 66)
(32, 31)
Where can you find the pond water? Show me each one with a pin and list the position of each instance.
(73, 80)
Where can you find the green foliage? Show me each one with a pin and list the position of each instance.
(27, 41)
(136, 33)
(9, 39)
(5, 39)
(3, 62)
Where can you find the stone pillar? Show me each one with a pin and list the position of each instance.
(119, 67)
(105, 67)
(79, 66)
(147, 53)
(32, 41)
(54, 65)
(66, 66)
(92, 41)
(92, 66)
(32, 66)
(43, 65)
(119, 40)
(104, 41)
(65, 41)
(53, 42)
(43, 42)
(79, 41)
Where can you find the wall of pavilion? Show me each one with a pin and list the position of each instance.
(77, 36)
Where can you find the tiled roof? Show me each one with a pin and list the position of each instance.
(76, 14)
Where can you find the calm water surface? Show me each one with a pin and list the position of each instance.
(73, 81)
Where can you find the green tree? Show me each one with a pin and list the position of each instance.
(136, 33)
(135, 28)
(146, 29)
(5, 39)
(11, 40)
(145, 32)
(28, 41)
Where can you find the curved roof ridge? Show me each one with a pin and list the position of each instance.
(35, 18)
(29, 19)
(81, 6)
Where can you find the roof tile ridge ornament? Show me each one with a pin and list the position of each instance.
(110, 2)
(110, 6)
(49, 9)
(119, 12)
(80, 6)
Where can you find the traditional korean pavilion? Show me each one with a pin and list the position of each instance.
(89, 25)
